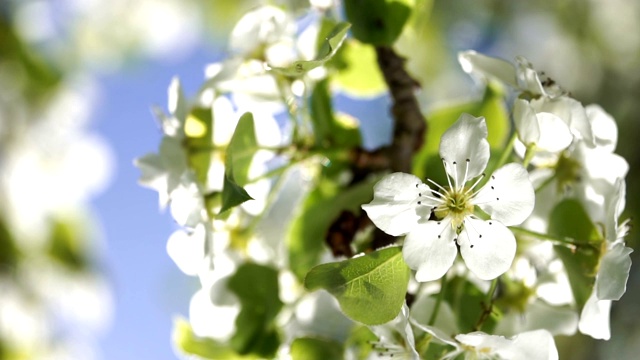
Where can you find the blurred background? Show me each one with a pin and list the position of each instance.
(84, 272)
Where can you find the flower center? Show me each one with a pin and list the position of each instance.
(567, 172)
(456, 203)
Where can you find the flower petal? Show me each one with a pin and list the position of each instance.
(487, 247)
(614, 207)
(571, 112)
(177, 101)
(526, 122)
(430, 249)
(187, 250)
(465, 144)
(539, 315)
(483, 342)
(555, 133)
(594, 320)
(508, 196)
(395, 201)
(603, 126)
(611, 282)
(528, 79)
(487, 67)
(531, 345)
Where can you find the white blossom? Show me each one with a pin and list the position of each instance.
(613, 270)
(530, 345)
(522, 77)
(402, 204)
(395, 339)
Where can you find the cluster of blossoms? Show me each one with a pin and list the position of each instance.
(498, 213)
(566, 153)
(191, 169)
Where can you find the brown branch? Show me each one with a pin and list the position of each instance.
(408, 135)
(409, 123)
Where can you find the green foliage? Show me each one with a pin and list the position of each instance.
(198, 130)
(66, 245)
(327, 129)
(232, 193)
(327, 51)
(240, 151)
(205, 348)
(569, 220)
(308, 348)
(378, 22)
(371, 289)
(36, 77)
(360, 75)
(9, 253)
(305, 237)
(492, 106)
(468, 303)
(242, 147)
(257, 288)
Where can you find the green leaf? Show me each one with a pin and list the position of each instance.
(378, 22)
(360, 76)
(257, 288)
(370, 289)
(66, 244)
(468, 303)
(327, 51)
(232, 193)
(308, 348)
(328, 130)
(492, 106)
(9, 252)
(206, 348)
(306, 235)
(569, 220)
(198, 141)
(242, 146)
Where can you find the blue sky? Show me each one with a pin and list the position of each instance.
(148, 288)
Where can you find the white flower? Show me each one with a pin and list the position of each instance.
(546, 96)
(521, 77)
(163, 171)
(402, 204)
(265, 33)
(613, 270)
(395, 339)
(531, 345)
(571, 112)
(544, 130)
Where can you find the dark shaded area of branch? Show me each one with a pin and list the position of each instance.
(409, 123)
(408, 136)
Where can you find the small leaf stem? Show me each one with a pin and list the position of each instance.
(546, 182)
(436, 308)
(507, 151)
(488, 305)
(529, 154)
(562, 240)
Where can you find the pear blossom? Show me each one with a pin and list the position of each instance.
(396, 340)
(437, 222)
(163, 171)
(521, 77)
(546, 96)
(530, 345)
(544, 130)
(613, 270)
